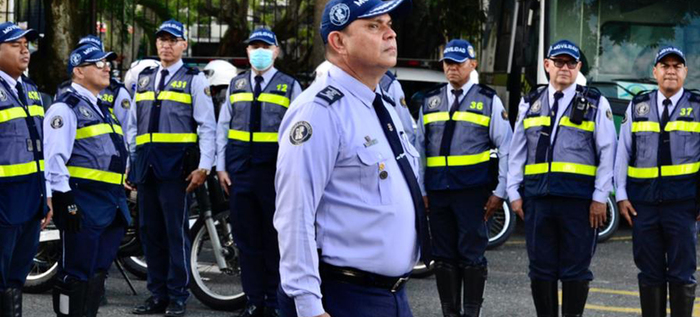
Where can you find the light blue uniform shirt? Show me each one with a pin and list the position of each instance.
(222, 126)
(330, 195)
(500, 134)
(396, 93)
(203, 113)
(624, 146)
(59, 140)
(604, 136)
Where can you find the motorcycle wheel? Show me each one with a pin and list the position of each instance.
(611, 222)
(500, 226)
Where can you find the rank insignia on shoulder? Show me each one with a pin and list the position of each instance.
(330, 94)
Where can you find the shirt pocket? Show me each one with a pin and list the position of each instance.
(374, 177)
(690, 145)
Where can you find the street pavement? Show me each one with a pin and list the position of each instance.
(613, 292)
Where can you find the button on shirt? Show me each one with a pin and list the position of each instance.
(500, 134)
(604, 136)
(330, 195)
(58, 142)
(203, 114)
(624, 147)
(222, 126)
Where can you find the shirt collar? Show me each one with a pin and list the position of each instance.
(569, 93)
(465, 88)
(267, 76)
(674, 99)
(172, 68)
(10, 81)
(352, 85)
(82, 91)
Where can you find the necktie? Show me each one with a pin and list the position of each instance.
(154, 122)
(419, 208)
(256, 112)
(555, 107)
(544, 142)
(20, 93)
(665, 141)
(449, 131)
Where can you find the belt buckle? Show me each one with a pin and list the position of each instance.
(398, 284)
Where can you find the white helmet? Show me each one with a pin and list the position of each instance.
(132, 74)
(220, 72)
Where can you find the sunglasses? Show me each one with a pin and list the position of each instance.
(560, 63)
(98, 64)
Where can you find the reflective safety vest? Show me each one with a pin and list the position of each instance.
(21, 156)
(108, 95)
(98, 161)
(467, 163)
(567, 166)
(647, 180)
(259, 147)
(162, 141)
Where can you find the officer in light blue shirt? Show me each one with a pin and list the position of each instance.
(656, 176)
(350, 219)
(560, 164)
(459, 124)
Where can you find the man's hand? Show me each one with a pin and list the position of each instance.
(426, 203)
(597, 214)
(494, 203)
(224, 180)
(127, 184)
(626, 210)
(49, 215)
(196, 179)
(67, 210)
(517, 207)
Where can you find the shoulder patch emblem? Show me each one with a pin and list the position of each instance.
(330, 94)
(609, 114)
(143, 81)
(403, 102)
(536, 107)
(56, 122)
(240, 84)
(3, 95)
(207, 91)
(642, 109)
(433, 103)
(85, 112)
(300, 132)
(624, 119)
(504, 114)
(126, 103)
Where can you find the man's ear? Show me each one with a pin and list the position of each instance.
(336, 40)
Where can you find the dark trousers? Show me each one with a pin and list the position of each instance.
(18, 245)
(457, 225)
(559, 237)
(349, 300)
(252, 207)
(164, 224)
(90, 250)
(664, 237)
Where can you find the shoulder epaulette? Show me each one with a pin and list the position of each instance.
(535, 93)
(26, 80)
(486, 90)
(388, 99)
(694, 95)
(192, 70)
(390, 75)
(642, 97)
(591, 93)
(148, 70)
(330, 95)
(435, 90)
(70, 99)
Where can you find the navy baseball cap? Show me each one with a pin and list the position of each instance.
(88, 53)
(338, 14)
(263, 35)
(564, 47)
(173, 28)
(669, 50)
(91, 40)
(458, 51)
(10, 32)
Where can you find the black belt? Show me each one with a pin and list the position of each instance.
(362, 278)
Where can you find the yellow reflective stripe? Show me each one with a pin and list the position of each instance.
(166, 138)
(36, 111)
(681, 169)
(175, 96)
(536, 122)
(539, 168)
(435, 117)
(585, 125)
(645, 126)
(574, 168)
(471, 117)
(241, 96)
(97, 129)
(458, 160)
(683, 126)
(276, 99)
(96, 175)
(20, 169)
(149, 95)
(18, 112)
(642, 172)
(257, 136)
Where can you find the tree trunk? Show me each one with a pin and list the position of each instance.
(318, 53)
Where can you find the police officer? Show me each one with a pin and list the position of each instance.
(350, 217)
(394, 95)
(172, 132)
(561, 160)
(85, 166)
(21, 166)
(116, 95)
(459, 123)
(247, 153)
(656, 185)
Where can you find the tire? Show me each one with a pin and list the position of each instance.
(45, 264)
(207, 281)
(420, 270)
(612, 221)
(500, 226)
(136, 265)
